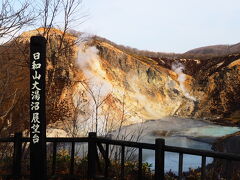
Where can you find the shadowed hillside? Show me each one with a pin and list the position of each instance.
(213, 51)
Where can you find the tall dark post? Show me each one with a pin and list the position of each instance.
(38, 166)
(92, 155)
(17, 155)
(159, 159)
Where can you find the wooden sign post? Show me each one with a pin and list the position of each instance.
(38, 166)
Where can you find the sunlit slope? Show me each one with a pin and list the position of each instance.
(138, 85)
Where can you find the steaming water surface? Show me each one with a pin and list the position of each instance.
(179, 132)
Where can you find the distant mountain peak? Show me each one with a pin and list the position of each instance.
(215, 50)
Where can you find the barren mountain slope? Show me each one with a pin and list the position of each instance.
(148, 87)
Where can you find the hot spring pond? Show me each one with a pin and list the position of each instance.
(178, 132)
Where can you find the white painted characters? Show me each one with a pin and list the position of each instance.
(35, 97)
(36, 56)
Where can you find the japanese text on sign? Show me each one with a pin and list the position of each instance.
(35, 97)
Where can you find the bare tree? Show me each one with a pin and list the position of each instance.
(12, 19)
(4, 97)
(98, 100)
(71, 17)
(61, 14)
(75, 126)
(102, 113)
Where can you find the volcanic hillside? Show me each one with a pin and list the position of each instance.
(135, 85)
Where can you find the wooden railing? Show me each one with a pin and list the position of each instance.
(102, 145)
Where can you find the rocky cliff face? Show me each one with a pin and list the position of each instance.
(220, 81)
(154, 90)
(134, 86)
(209, 88)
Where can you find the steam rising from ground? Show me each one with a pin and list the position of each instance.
(96, 86)
(178, 68)
(89, 61)
(91, 65)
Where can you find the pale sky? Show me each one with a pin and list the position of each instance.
(164, 25)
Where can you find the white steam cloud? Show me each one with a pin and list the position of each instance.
(178, 68)
(89, 61)
(98, 87)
